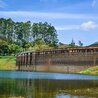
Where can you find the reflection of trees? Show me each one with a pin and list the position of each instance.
(8, 87)
(38, 88)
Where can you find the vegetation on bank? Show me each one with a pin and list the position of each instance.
(22, 36)
(7, 63)
(91, 70)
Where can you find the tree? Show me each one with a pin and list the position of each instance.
(23, 32)
(80, 43)
(9, 30)
(72, 44)
(3, 47)
(24, 35)
(40, 45)
(13, 48)
(3, 28)
(45, 32)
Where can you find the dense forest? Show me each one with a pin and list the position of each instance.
(16, 37)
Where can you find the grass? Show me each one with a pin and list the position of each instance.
(7, 62)
(91, 70)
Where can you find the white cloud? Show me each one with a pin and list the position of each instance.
(45, 15)
(2, 4)
(93, 3)
(84, 26)
(88, 25)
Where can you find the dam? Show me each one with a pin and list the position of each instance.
(66, 60)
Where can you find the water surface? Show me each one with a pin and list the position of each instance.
(45, 75)
(52, 85)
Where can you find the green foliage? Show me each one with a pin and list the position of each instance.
(3, 47)
(45, 33)
(92, 70)
(72, 44)
(20, 36)
(40, 45)
(80, 43)
(13, 48)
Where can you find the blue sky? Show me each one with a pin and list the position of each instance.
(73, 19)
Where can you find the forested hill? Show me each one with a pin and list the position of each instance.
(20, 36)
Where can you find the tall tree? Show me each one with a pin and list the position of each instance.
(72, 44)
(9, 30)
(45, 32)
(23, 31)
(15, 35)
(19, 32)
(2, 27)
(80, 43)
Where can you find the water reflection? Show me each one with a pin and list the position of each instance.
(37, 88)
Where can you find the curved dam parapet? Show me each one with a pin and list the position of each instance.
(69, 60)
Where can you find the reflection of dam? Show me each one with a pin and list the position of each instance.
(58, 60)
(52, 84)
(44, 88)
(41, 88)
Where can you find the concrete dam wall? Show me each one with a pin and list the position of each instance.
(68, 60)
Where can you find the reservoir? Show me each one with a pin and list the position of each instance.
(16, 84)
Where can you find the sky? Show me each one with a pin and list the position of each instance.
(73, 19)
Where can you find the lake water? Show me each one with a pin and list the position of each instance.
(47, 85)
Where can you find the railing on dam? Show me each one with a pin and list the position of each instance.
(58, 60)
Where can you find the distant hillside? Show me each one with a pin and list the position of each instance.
(94, 44)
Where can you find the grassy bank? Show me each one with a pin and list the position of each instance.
(91, 70)
(7, 62)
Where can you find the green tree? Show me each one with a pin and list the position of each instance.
(3, 46)
(72, 44)
(7, 29)
(24, 35)
(2, 28)
(23, 32)
(80, 43)
(45, 32)
(13, 48)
